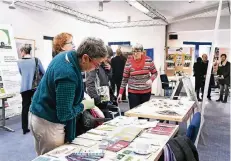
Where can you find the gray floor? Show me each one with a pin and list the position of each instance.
(18, 147)
(217, 132)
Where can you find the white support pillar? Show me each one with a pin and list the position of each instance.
(210, 65)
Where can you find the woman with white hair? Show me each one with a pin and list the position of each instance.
(58, 99)
(27, 68)
(139, 73)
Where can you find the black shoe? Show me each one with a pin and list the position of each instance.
(199, 99)
(26, 131)
(219, 100)
(209, 98)
(225, 101)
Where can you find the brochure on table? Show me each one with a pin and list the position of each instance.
(9, 74)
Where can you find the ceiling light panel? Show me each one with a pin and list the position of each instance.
(138, 6)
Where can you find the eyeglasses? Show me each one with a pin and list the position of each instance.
(70, 43)
(137, 51)
(96, 64)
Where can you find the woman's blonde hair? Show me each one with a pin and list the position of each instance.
(118, 52)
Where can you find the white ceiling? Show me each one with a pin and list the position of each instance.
(112, 12)
(117, 11)
(172, 9)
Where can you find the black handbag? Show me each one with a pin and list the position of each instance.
(86, 121)
(37, 75)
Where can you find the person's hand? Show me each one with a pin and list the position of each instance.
(149, 82)
(119, 98)
(108, 66)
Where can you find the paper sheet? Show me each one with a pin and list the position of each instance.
(62, 151)
(83, 142)
(91, 137)
(98, 132)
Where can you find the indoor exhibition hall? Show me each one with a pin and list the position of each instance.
(115, 80)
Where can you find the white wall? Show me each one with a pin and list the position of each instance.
(203, 23)
(223, 39)
(35, 25)
(149, 37)
(200, 30)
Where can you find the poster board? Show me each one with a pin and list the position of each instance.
(179, 60)
(217, 57)
(10, 77)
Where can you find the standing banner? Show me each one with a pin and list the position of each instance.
(9, 74)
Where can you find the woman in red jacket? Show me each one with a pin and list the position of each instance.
(139, 73)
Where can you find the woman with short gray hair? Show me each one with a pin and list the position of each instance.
(58, 98)
(27, 68)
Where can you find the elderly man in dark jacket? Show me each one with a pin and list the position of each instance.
(204, 70)
(224, 78)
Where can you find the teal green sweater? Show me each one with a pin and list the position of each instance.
(59, 95)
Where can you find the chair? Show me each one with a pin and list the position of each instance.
(166, 84)
(194, 127)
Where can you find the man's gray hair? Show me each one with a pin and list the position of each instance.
(93, 47)
(109, 51)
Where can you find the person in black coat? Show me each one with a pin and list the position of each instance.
(117, 64)
(198, 74)
(224, 78)
(205, 63)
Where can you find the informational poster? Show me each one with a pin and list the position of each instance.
(217, 57)
(178, 60)
(9, 75)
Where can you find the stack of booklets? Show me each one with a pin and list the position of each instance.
(129, 155)
(118, 146)
(128, 133)
(46, 158)
(98, 132)
(106, 128)
(91, 137)
(161, 130)
(63, 151)
(84, 142)
(87, 155)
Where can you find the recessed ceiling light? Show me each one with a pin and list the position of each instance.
(138, 6)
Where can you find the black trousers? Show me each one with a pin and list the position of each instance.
(137, 99)
(209, 90)
(118, 84)
(26, 102)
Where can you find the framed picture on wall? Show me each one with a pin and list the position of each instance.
(21, 41)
